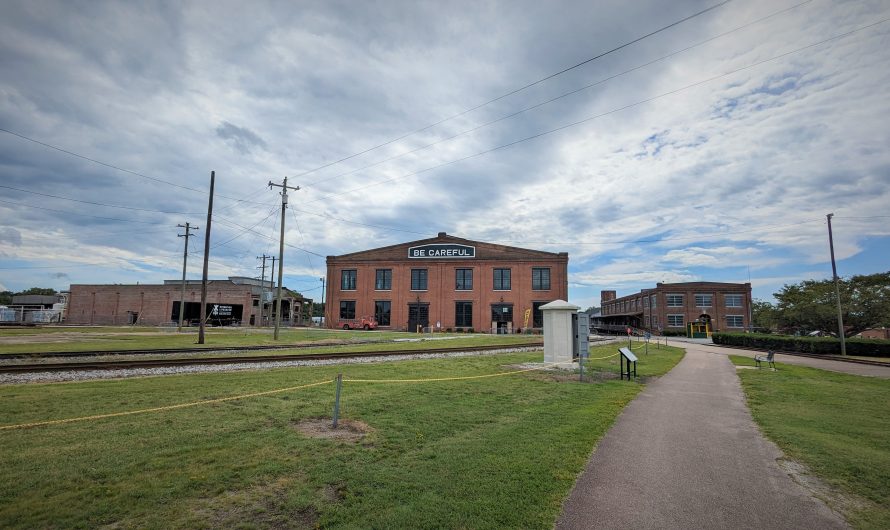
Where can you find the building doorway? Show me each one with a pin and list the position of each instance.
(501, 318)
(418, 316)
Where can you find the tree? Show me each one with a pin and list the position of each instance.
(811, 305)
(5, 297)
(764, 315)
(591, 310)
(46, 291)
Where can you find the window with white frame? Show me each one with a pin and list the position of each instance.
(675, 321)
(674, 300)
(733, 300)
(645, 301)
(704, 300)
(654, 321)
(735, 321)
(652, 300)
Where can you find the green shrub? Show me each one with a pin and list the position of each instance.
(814, 345)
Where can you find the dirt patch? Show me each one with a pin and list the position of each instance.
(564, 376)
(352, 431)
(263, 505)
(836, 500)
(331, 493)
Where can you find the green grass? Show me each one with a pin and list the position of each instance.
(104, 339)
(836, 424)
(487, 453)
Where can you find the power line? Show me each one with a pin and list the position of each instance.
(520, 89)
(557, 98)
(597, 116)
(303, 240)
(78, 213)
(96, 203)
(112, 166)
(271, 238)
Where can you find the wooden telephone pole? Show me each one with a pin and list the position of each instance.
(284, 187)
(185, 257)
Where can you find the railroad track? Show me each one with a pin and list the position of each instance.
(161, 363)
(271, 347)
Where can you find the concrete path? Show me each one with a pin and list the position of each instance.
(686, 454)
(867, 370)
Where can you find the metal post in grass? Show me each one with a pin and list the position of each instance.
(339, 381)
(581, 367)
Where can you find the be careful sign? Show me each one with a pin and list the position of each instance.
(442, 250)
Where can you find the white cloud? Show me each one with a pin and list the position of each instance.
(738, 171)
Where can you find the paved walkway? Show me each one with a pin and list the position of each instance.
(867, 370)
(686, 454)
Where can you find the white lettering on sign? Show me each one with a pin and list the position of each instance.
(442, 250)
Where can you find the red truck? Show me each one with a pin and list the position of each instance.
(365, 323)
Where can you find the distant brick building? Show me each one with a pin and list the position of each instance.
(670, 306)
(235, 301)
(876, 333)
(455, 282)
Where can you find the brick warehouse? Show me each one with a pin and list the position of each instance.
(670, 306)
(240, 301)
(458, 283)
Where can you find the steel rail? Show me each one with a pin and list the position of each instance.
(162, 363)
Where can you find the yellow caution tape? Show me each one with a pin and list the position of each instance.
(276, 391)
(158, 409)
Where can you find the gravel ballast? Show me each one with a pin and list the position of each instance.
(88, 375)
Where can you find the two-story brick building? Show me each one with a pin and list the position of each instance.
(453, 282)
(671, 306)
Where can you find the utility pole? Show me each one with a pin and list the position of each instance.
(263, 287)
(185, 255)
(272, 281)
(284, 187)
(206, 260)
(837, 290)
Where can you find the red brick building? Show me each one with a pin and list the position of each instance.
(235, 301)
(670, 306)
(453, 282)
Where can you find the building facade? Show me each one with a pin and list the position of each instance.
(445, 283)
(671, 306)
(235, 301)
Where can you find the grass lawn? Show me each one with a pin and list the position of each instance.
(836, 424)
(484, 453)
(123, 338)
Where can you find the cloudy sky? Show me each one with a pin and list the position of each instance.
(711, 150)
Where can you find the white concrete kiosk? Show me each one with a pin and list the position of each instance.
(558, 334)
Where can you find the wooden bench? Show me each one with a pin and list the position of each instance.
(758, 359)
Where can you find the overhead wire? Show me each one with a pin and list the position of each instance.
(69, 212)
(557, 98)
(93, 203)
(113, 166)
(597, 116)
(524, 87)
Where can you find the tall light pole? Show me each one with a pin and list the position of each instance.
(284, 187)
(837, 290)
(185, 256)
